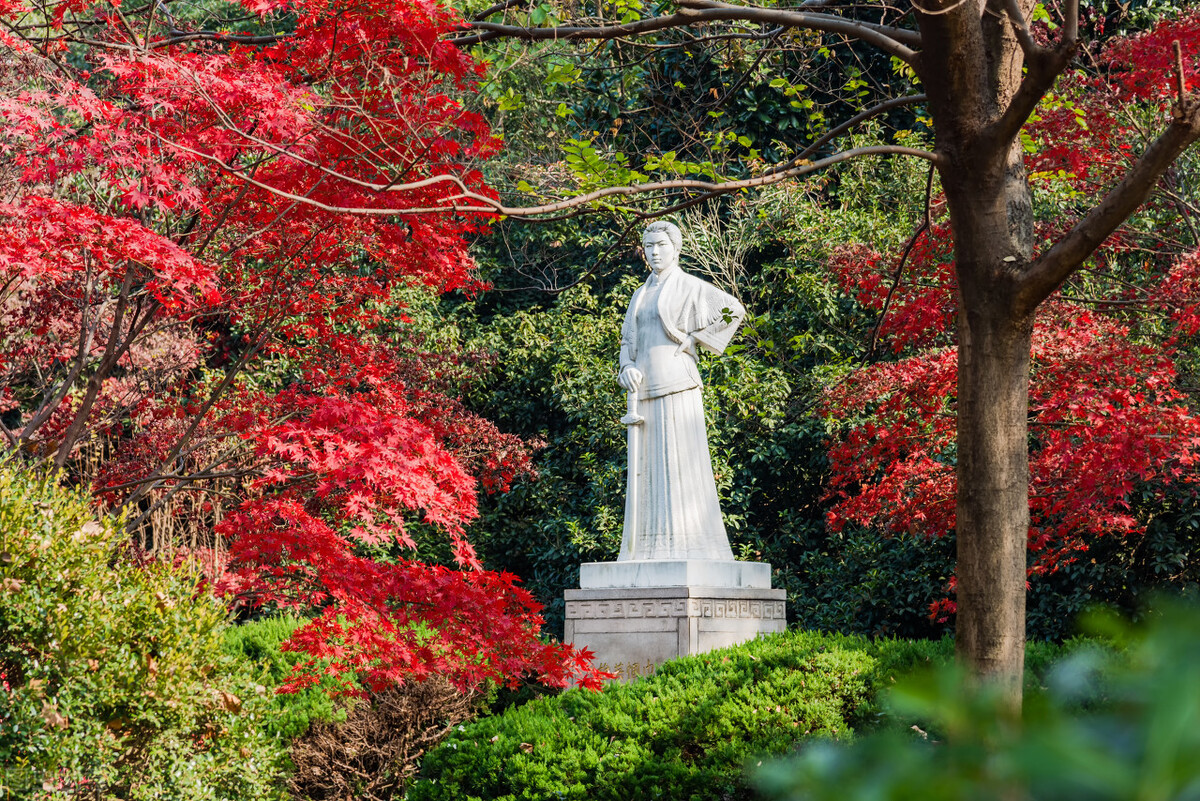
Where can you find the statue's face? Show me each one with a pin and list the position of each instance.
(660, 252)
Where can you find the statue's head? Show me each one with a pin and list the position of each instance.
(662, 243)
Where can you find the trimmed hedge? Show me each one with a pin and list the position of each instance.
(690, 731)
(685, 733)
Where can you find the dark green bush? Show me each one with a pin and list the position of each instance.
(1124, 572)
(687, 732)
(116, 682)
(684, 733)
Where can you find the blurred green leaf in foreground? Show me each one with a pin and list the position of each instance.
(1108, 724)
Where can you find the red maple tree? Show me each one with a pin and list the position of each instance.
(1107, 414)
(206, 225)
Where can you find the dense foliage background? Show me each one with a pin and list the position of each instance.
(333, 415)
(850, 295)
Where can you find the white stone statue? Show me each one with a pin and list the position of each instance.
(671, 506)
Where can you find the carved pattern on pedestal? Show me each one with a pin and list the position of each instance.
(693, 607)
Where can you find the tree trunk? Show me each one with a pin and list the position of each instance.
(991, 212)
(993, 492)
(971, 75)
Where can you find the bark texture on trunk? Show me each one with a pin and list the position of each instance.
(993, 239)
(988, 196)
(982, 84)
(993, 492)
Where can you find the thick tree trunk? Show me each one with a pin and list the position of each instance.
(971, 75)
(993, 492)
(990, 205)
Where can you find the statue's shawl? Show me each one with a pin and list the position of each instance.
(688, 305)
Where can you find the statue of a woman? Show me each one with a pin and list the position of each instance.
(671, 509)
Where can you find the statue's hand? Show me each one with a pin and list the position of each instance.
(688, 345)
(630, 379)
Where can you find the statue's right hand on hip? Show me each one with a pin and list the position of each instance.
(630, 378)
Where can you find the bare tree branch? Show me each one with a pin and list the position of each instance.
(1054, 266)
(114, 349)
(926, 222)
(496, 8)
(487, 205)
(1071, 22)
(894, 41)
(693, 41)
(1020, 25)
(487, 31)
(747, 75)
(244, 176)
(179, 37)
(885, 37)
(1045, 65)
(87, 333)
(710, 189)
(834, 133)
(155, 478)
(182, 483)
(190, 477)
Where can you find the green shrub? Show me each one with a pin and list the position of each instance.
(691, 730)
(289, 715)
(1104, 724)
(116, 682)
(684, 733)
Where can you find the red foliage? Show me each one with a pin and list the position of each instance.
(384, 623)
(1105, 417)
(1143, 67)
(198, 278)
(1077, 134)
(921, 312)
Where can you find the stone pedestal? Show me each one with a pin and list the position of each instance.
(634, 628)
(675, 573)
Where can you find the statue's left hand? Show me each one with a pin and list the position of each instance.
(688, 345)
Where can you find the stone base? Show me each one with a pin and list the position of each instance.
(675, 573)
(634, 630)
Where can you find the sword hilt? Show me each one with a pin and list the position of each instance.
(631, 418)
